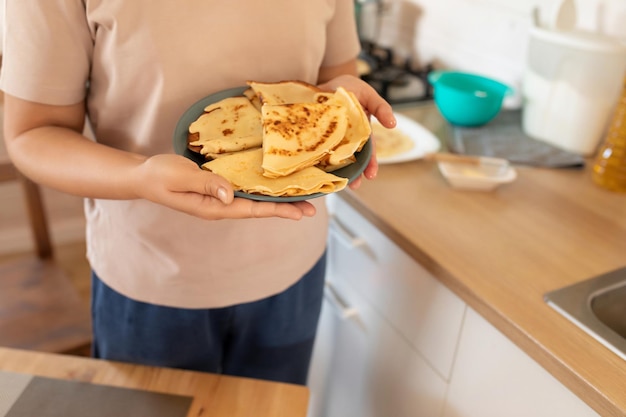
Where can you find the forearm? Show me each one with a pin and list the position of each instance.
(46, 144)
(328, 73)
(63, 159)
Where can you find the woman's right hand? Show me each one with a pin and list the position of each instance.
(177, 182)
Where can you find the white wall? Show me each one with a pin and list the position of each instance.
(485, 36)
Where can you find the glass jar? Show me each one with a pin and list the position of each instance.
(609, 168)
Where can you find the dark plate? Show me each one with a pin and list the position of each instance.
(351, 172)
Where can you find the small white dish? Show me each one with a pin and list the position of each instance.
(485, 175)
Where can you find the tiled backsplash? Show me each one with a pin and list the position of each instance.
(485, 36)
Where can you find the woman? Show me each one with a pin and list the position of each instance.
(184, 275)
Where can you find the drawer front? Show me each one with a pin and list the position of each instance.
(416, 304)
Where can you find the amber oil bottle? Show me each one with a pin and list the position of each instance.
(609, 168)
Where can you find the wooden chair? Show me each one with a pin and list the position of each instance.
(40, 309)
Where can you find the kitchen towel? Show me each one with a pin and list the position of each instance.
(28, 396)
(504, 137)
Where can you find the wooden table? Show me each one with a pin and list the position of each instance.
(213, 395)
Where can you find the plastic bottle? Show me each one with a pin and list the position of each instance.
(609, 169)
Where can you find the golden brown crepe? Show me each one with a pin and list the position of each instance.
(243, 170)
(357, 132)
(326, 166)
(390, 142)
(227, 145)
(254, 98)
(305, 134)
(233, 121)
(299, 135)
(284, 92)
(210, 156)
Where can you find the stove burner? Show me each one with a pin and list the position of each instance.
(395, 83)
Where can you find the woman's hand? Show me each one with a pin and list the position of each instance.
(177, 182)
(373, 104)
(79, 166)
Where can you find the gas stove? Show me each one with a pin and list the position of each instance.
(397, 81)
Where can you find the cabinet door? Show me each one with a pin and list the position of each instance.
(363, 367)
(492, 377)
(414, 302)
(400, 383)
(320, 362)
(340, 359)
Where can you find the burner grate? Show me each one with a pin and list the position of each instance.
(390, 78)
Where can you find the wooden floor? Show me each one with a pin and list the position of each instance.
(71, 257)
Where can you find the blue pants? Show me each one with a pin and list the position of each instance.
(268, 339)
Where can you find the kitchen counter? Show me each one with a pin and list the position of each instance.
(214, 395)
(501, 251)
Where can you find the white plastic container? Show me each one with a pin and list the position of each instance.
(571, 83)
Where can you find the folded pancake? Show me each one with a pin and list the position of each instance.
(234, 144)
(299, 135)
(210, 156)
(234, 119)
(244, 171)
(325, 165)
(284, 92)
(357, 132)
(390, 142)
(254, 98)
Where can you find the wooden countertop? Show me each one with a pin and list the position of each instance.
(213, 395)
(501, 251)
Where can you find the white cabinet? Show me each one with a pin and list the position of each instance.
(425, 312)
(363, 367)
(492, 377)
(388, 330)
(395, 342)
(339, 365)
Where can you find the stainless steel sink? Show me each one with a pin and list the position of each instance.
(598, 306)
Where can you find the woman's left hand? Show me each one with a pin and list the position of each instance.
(373, 104)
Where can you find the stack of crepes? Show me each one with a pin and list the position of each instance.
(281, 139)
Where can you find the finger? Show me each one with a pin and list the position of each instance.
(294, 211)
(307, 208)
(374, 104)
(371, 170)
(356, 183)
(382, 111)
(213, 185)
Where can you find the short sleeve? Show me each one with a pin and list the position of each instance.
(46, 51)
(342, 40)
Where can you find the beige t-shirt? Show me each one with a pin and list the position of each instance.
(145, 62)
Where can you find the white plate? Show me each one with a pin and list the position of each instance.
(424, 141)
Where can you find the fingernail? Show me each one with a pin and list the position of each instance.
(222, 194)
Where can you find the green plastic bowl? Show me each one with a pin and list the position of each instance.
(466, 99)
